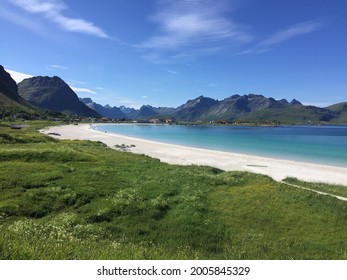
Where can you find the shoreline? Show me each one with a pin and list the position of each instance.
(278, 169)
(287, 156)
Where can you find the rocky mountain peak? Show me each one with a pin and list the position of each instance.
(87, 100)
(295, 102)
(54, 94)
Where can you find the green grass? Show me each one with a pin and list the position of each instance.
(82, 200)
(331, 189)
(9, 106)
(338, 107)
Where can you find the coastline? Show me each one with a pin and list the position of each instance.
(278, 169)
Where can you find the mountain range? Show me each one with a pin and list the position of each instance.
(37, 94)
(250, 108)
(105, 111)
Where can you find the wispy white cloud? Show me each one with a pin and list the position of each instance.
(18, 76)
(84, 90)
(183, 26)
(173, 72)
(74, 82)
(57, 67)
(186, 22)
(289, 33)
(53, 11)
(281, 36)
(254, 50)
(99, 88)
(21, 20)
(185, 56)
(188, 29)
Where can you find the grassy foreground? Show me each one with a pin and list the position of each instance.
(82, 200)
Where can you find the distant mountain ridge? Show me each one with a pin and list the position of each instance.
(251, 107)
(255, 108)
(105, 111)
(146, 111)
(54, 94)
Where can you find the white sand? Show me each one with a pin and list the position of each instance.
(175, 154)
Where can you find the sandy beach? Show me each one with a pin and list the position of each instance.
(276, 168)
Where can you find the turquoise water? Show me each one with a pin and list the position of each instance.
(318, 144)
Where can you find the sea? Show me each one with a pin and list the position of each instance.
(315, 144)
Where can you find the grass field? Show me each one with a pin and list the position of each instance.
(326, 188)
(82, 200)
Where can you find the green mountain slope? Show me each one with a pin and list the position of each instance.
(339, 107)
(291, 114)
(341, 112)
(10, 101)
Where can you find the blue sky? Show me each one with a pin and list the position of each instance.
(164, 52)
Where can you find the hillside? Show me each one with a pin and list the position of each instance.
(341, 118)
(54, 94)
(8, 86)
(341, 111)
(10, 101)
(298, 114)
(339, 107)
